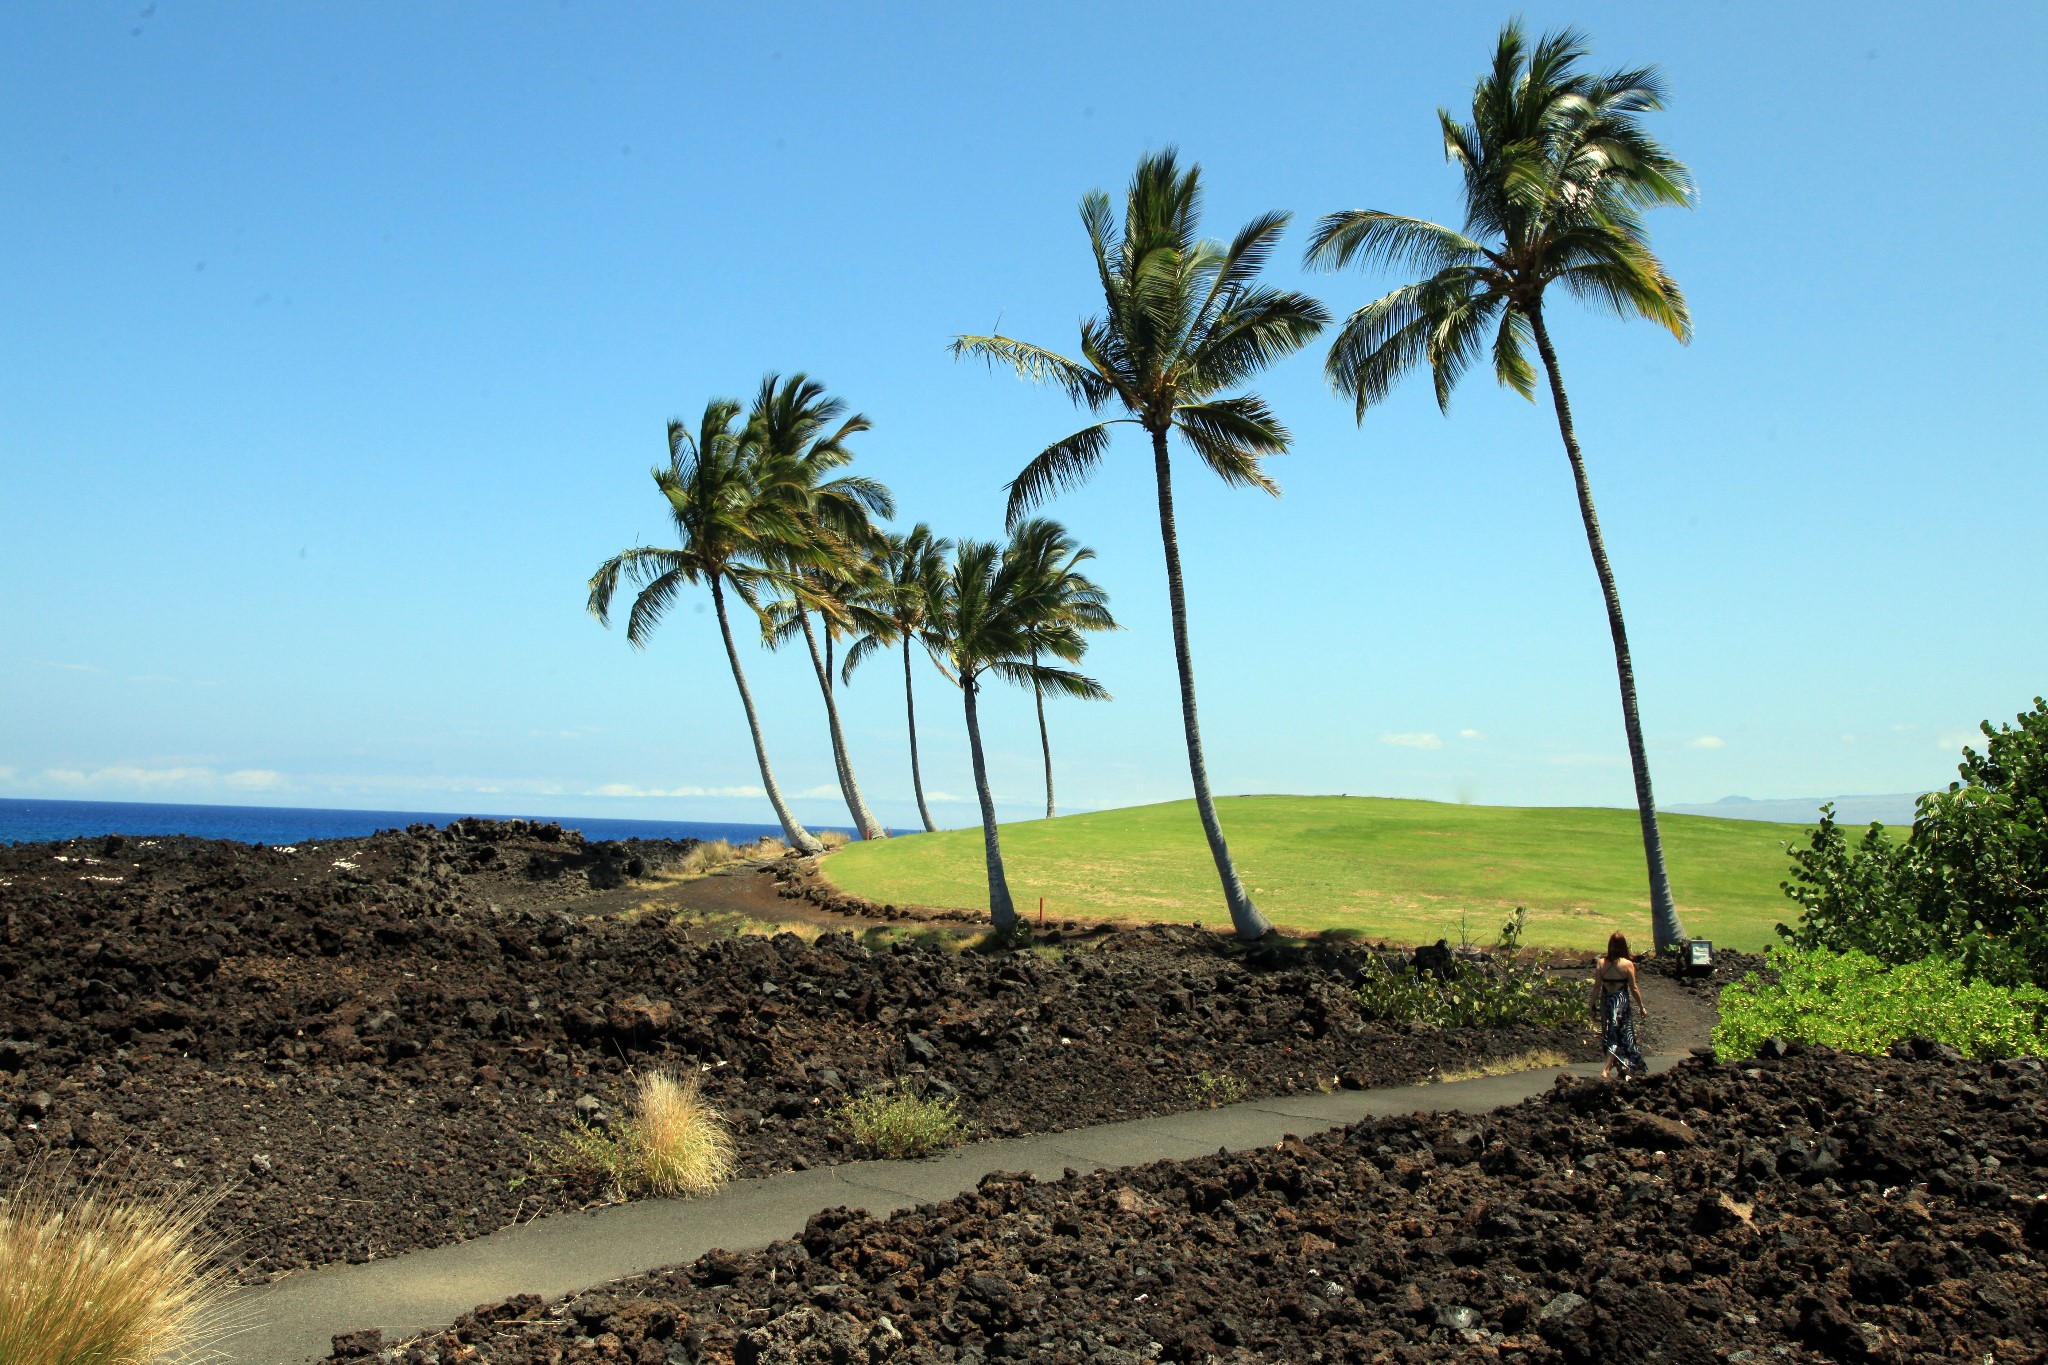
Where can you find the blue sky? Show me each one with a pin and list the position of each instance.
(340, 339)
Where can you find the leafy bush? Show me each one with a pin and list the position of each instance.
(1497, 994)
(1211, 1089)
(897, 1122)
(84, 1278)
(674, 1144)
(1970, 883)
(1852, 1000)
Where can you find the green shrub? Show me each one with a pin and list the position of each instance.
(1497, 994)
(1855, 1002)
(1970, 884)
(896, 1122)
(1211, 1089)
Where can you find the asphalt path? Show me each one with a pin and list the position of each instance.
(293, 1320)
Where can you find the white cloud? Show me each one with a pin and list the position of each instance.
(1707, 742)
(945, 796)
(1848, 738)
(68, 668)
(1425, 740)
(1470, 734)
(820, 792)
(628, 790)
(254, 778)
(124, 775)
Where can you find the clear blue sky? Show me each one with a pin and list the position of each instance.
(339, 338)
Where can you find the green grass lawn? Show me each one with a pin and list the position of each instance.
(1407, 871)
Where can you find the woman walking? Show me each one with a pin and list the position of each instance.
(1619, 1004)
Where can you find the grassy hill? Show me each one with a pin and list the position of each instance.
(1409, 871)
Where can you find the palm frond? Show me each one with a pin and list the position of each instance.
(1038, 365)
(1231, 436)
(862, 649)
(1258, 328)
(1370, 237)
(1064, 464)
(1062, 681)
(1510, 356)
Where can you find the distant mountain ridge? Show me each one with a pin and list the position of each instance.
(1896, 809)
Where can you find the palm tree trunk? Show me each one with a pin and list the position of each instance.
(1000, 908)
(799, 838)
(1244, 916)
(863, 818)
(910, 710)
(1044, 741)
(1665, 927)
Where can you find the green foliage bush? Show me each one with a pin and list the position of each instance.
(1497, 994)
(1852, 1000)
(1212, 1089)
(897, 1122)
(1970, 883)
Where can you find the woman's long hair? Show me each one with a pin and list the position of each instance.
(1617, 947)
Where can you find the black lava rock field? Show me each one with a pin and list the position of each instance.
(360, 1043)
(1810, 1207)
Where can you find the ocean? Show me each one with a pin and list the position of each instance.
(23, 821)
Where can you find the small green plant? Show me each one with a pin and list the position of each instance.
(896, 1122)
(1499, 994)
(85, 1278)
(1213, 1089)
(1852, 1000)
(675, 1144)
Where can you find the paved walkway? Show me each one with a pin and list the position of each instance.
(558, 1255)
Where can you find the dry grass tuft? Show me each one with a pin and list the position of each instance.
(684, 1146)
(834, 838)
(675, 1144)
(87, 1280)
(716, 853)
(1534, 1060)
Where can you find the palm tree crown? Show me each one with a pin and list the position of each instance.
(1184, 321)
(1558, 170)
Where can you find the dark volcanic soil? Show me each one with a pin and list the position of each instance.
(368, 1036)
(1814, 1208)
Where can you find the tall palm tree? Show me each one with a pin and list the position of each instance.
(990, 598)
(902, 595)
(792, 430)
(1069, 598)
(1183, 320)
(728, 529)
(1558, 173)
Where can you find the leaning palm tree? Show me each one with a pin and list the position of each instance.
(1184, 319)
(1068, 599)
(1558, 172)
(900, 598)
(727, 530)
(792, 433)
(990, 598)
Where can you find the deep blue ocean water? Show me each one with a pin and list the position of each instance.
(24, 821)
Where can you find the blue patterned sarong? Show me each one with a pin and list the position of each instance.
(1618, 1030)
